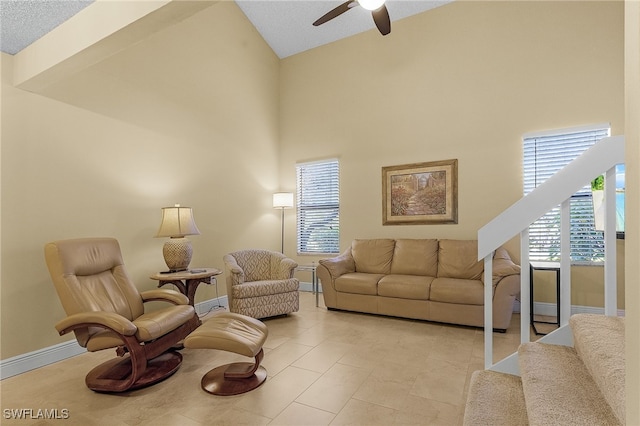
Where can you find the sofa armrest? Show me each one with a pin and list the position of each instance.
(287, 268)
(164, 295)
(340, 265)
(504, 295)
(503, 266)
(329, 270)
(236, 273)
(103, 319)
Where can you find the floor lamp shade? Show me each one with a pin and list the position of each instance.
(282, 201)
(177, 222)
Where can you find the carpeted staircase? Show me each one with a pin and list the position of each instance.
(558, 385)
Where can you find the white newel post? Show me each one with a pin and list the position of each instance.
(488, 311)
(525, 276)
(610, 274)
(565, 261)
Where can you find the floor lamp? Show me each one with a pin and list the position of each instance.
(282, 201)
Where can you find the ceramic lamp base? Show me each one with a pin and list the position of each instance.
(177, 254)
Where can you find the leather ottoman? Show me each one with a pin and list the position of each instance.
(233, 333)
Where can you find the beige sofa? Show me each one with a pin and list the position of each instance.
(428, 279)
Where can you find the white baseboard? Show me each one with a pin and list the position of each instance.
(304, 286)
(207, 306)
(22, 363)
(36, 359)
(550, 309)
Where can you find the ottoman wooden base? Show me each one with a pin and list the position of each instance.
(234, 333)
(216, 383)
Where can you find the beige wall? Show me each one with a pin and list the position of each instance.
(188, 115)
(587, 283)
(463, 81)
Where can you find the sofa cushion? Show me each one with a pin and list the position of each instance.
(459, 259)
(264, 288)
(455, 290)
(358, 283)
(373, 256)
(405, 286)
(415, 257)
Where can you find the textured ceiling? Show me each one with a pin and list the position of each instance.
(24, 21)
(287, 27)
(284, 24)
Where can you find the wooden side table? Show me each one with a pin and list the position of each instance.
(187, 281)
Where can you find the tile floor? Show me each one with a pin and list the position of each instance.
(324, 368)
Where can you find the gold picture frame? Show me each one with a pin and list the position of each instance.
(420, 193)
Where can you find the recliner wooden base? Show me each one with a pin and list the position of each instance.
(115, 375)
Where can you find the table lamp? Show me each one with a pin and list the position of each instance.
(177, 222)
(282, 201)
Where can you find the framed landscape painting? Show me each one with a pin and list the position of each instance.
(420, 193)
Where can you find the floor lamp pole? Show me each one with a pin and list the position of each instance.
(282, 232)
(282, 201)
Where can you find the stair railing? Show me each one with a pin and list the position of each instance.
(557, 190)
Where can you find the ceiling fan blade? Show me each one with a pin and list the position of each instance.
(382, 20)
(335, 12)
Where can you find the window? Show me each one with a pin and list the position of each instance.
(545, 154)
(318, 207)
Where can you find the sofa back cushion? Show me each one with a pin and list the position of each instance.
(459, 259)
(415, 257)
(373, 256)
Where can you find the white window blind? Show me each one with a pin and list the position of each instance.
(318, 226)
(545, 154)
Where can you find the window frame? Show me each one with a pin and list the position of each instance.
(587, 244)
(317, 205)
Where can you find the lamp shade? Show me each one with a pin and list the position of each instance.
(283, 200)
(177, 222)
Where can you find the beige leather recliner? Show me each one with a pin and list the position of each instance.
(260, 283)
(105, 310)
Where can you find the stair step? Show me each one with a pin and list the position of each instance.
(558, 389)
(495, 399)
(599, 341)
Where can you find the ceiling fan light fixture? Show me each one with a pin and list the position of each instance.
(377, 8)
(371, 4)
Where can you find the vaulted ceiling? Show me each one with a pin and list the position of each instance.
(286, 25)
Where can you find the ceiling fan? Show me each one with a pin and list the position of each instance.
(378, 11)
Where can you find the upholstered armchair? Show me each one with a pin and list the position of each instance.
(105, 310)
(260, 283)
